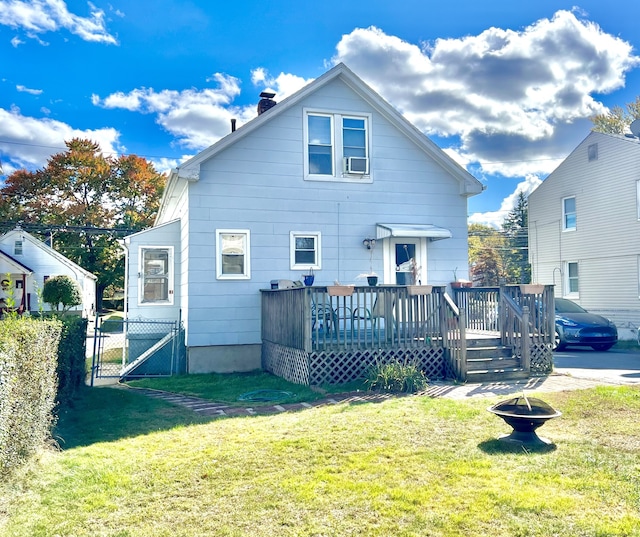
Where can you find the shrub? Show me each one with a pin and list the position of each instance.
(61, 290)
(28, 357)
(396, 376)
(71, 357)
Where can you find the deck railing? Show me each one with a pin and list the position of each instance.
(321, 318)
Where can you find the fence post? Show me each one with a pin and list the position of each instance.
(526, 340)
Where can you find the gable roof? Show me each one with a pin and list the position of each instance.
(190, 170)
(21, 267)
(21, 234)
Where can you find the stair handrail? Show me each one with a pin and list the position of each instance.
(515, 330)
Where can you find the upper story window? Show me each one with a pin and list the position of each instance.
(592, 152)
(305, 250)
(17, 248)
(156, 275)
(337, 146)
(232, 258)
(569, 217)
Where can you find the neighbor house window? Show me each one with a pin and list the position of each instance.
(337, 146)
(569, 218)
(156, 275)
(592, 152)
(232, 247)
(572, 278)
(17, 248)
(305, 250)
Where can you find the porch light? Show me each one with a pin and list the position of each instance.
(369, 244)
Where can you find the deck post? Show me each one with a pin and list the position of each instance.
(526, 340)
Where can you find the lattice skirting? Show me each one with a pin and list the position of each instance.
(339, 367)
(286, 362)
(541, 358)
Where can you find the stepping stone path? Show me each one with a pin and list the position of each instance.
(205, 407)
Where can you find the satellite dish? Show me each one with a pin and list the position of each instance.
(635, 127)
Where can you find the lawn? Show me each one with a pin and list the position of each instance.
(414, 466)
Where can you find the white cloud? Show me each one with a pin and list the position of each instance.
(24, 89)
(199, 117)
(31, 141)
(41, 16)
(500, 91)
(16, 42)
(496, 218)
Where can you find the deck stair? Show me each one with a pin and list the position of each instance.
(490, 361)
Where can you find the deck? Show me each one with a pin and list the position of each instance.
(327, 335)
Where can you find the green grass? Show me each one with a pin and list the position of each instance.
(229, 388)
(414, 466)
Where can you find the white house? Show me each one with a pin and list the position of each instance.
(26, 263)
(584, 229)
(299, 187)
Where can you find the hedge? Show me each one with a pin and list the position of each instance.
(71, 357)
(28, 382)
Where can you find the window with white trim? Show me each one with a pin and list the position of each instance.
(337, 146)
(572, 279)
(569, 215)
(156, 275)
(232, 257)
(17, 247)
(305, 250)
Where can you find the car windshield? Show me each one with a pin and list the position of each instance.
(566, 306)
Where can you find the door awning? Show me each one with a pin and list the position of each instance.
(428, 231)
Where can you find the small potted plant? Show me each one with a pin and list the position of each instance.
(372, 277)
(308, 278)
(459, 283)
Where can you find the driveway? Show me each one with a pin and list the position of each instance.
(618, 366)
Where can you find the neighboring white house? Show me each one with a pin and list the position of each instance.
(26, 263)
(299, 187)
(584, 229)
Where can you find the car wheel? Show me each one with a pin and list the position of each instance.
(602, 347)
(557, 343)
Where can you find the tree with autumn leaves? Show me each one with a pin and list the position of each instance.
(90, 200)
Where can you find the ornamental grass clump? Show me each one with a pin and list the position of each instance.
(402, 376)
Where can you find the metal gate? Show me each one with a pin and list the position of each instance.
(130, 348)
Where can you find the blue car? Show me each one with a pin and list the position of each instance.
(575, 326)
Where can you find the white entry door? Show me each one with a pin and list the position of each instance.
(398, 255)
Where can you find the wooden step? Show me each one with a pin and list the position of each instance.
(487, 363)
(489, 352)
(483, 342)
(496, 375)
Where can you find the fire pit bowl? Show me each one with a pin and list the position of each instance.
(525, 415)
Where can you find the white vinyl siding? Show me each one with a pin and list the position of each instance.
(232, 247)
(305, 250)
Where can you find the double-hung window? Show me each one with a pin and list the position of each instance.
(337, 146)
(572, 279)
(17, 247)
(569, 216)
(305, 250)
(156, 275)
(232, 258)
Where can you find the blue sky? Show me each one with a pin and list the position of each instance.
(506, 88)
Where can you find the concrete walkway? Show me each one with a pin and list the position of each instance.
(550, 383)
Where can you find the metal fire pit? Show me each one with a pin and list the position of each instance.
(525, 415)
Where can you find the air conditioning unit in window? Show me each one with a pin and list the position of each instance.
(356, 165)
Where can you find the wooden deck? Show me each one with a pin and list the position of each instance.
(312, 336)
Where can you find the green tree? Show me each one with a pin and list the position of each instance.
(516, 258)
(486, 251)
(617, 120)
(61, 290)
(86, 197)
